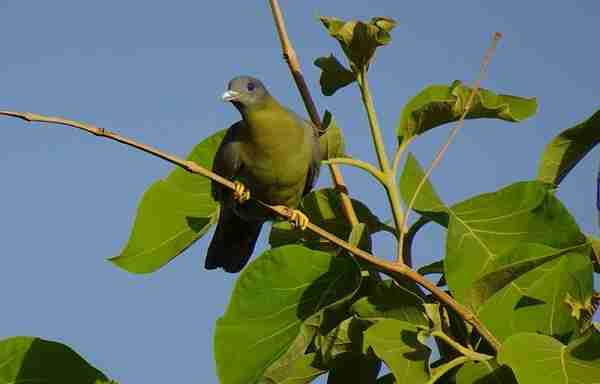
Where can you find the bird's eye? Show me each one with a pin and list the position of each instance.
(250, 87)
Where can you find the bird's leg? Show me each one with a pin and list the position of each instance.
(298, 219)
(241, 194)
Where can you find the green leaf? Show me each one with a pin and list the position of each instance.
(395, 301)
(535, 301)
(568, 148)
(358, 39)
(541, 359)
(427, 202)
(169, 220)
(172, 215)
(440, 104)
(396, 343)
(301, 370)
(332, 141)
(485, 372)
(324, 208)
(34, 360)
(333, 75)
(484, 227)
(516, 262)
(299, 284)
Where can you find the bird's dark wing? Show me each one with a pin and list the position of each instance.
(227, 161)
(315, 162)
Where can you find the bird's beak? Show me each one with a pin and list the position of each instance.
(230, 96)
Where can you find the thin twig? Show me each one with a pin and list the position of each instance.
(292, 60)
(484, 64)
(392, 269)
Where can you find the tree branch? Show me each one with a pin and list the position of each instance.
(391, 269)
(292, 60)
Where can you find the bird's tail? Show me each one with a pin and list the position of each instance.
(233, 242)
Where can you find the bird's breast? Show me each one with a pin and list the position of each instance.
(276, 171)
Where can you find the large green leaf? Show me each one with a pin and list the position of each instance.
(536, 300)
(427, 202)
(541, 359)
(568, 148)
(440, 104)
(516, 262)
(482, 228)
(274, 295)
(34, 360)
(484, 372)
(358, 39)
(397, 344)
(324, 208)
(173, 214)
(333, 75)
(388, 299)
(332, 141)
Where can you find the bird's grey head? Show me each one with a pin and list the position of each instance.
(245, 92)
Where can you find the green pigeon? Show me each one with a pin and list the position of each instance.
(273, 155)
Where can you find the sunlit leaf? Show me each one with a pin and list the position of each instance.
(274, 295)
(440, 104)
(34, 360)
(538, 358)
(484, 227)
(358, 39)
(172, 215)
(333, 75)
(568, 148)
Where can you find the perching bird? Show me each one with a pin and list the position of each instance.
(274, 156)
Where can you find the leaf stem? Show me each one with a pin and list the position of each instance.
(472, 355)
(370, 168)
(389, 183)
(291, 59)
(442, 369)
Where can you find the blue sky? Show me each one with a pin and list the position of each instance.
(153, 71)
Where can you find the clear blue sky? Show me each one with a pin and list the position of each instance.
(154, 70)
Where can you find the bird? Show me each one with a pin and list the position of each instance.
(273, 155)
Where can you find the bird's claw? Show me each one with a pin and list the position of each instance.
(240, 193)
(299, 219)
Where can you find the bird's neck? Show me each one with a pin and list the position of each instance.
(265, 120)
